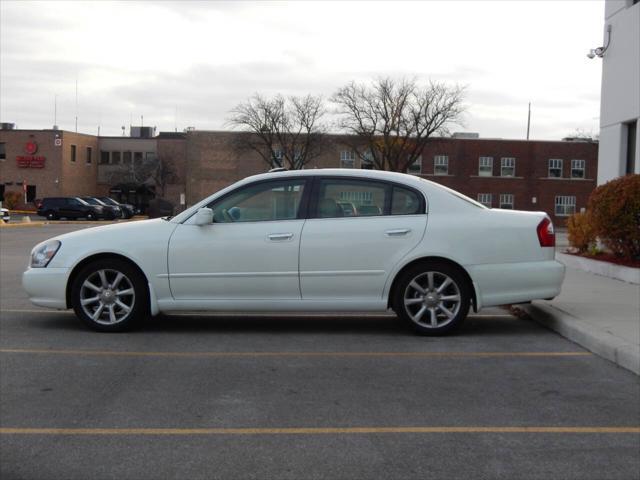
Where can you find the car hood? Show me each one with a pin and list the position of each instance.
(129, 239)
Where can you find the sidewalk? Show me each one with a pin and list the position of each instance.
(599, 313)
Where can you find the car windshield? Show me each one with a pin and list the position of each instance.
(456, 194)
(92, 201)
(83, 202)
(108, 201)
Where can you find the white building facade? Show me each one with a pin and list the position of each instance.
(619, 148)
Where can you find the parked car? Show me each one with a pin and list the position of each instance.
(280, 242)
(54, 208)
(6, 216)
(110, 212)
(126, 210)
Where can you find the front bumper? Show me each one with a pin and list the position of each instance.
(46, 287)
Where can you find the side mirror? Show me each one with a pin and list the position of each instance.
(204, 216)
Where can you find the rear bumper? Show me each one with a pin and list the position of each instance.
(46, 287)
(506, 283)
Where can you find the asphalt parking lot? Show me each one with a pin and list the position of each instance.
(294, 396)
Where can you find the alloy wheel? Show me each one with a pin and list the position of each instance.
(107, 296)
(432, 299)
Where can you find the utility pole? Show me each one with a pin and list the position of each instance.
(76, 104)
(528, 120)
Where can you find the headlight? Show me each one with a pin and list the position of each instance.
(42, 254)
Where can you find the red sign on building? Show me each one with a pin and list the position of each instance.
(30, 160)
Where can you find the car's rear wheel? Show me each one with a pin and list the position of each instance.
(433, 297)
(110, 295)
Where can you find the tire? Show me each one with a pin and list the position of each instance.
(91, 216)
(416, 303)
(51, 216)
(105, 313)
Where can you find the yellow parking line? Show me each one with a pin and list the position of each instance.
(309, 431)
(251, 314)
(116, 353)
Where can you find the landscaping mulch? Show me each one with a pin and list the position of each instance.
(609, 257)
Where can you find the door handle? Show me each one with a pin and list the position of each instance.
(398, 232)
(280, 236)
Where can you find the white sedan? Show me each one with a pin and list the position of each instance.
(312, 241)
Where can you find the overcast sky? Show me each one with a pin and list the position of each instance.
(186, 64)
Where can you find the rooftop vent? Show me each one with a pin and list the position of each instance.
(465, 135)
(7, 126)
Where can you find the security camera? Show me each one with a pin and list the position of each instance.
(591, 54)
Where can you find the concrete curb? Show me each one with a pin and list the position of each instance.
(25, 224)
(58, 222)
(600, 342)
(605, 269)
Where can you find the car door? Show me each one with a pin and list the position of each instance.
(250, 251)
(67, 208)
(76, 208)
(350, 255)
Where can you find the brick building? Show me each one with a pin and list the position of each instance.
(553, 176)
(48, 163)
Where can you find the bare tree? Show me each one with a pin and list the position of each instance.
(579, 134)
(284, 132)
(156, 171)
(392, 121)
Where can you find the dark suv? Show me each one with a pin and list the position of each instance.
(69, 207)
(127, 210)
(111, 212)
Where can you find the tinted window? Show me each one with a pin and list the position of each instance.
(261, 202)
(405, 202)
(351, 198)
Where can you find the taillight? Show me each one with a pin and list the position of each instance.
(546, 235)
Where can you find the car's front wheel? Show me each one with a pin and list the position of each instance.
(433, 297)
(109, 295)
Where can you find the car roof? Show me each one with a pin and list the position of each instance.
(339, 172)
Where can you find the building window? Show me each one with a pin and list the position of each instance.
(507, 167)
(441, 165)
(115, 158)
(506, 201)
(367, 161)
(416, 167)
(577, 168)
(104, 157)
(126, 158)
(347, 159)
(632, 134)
(555, 168)
(276, 159)
(73, 153)
(565, 205)
(88, 158)
(485, 168)
(486, 199)
(3, 152)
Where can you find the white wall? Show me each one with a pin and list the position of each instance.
(620, 100)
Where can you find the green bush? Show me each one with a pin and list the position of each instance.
(582, 235)
(615, 212)
(12, 199)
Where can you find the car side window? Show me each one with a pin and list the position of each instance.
(405, 202)
(261, 202)
(351, 198)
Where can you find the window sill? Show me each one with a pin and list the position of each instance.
(494, 176)
(567, 178)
